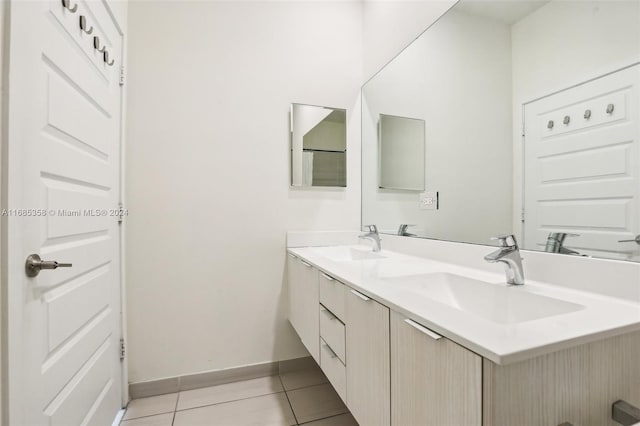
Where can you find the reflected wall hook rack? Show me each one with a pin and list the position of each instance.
(106, 59)
(67, 5)
(96, 44)
(83, 25)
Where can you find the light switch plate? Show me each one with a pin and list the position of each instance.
(429, 200)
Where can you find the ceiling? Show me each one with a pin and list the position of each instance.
(506, 11)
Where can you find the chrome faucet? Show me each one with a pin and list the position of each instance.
(555, 243)
(509, 256)
(402, 231)
(373, 236)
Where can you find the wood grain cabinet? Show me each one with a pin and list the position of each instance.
(434, 381)
(304, 298)
(391, 370)
(368, 362)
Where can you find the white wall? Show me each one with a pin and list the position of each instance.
(565, 43)
(456, 77)
(209, 88)
(391, 25)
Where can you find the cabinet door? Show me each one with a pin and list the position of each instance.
(303, 304)
(434, 380)
(295, 293)
(367, 353)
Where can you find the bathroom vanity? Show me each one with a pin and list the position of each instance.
(408, 340)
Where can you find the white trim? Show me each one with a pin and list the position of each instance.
(124, 370)
(118, 418)
(12, 410)
(588, 77)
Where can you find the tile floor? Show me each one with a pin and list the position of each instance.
(292, 398)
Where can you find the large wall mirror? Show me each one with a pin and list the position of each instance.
(531, 114)
(318, 146)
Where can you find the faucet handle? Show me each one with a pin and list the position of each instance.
(372, 228)
(508, 240)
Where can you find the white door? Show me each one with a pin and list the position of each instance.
(63, 191)
(582, 167)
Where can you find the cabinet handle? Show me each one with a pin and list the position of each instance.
(328, 277)
(425, 330)
(329, 313)
(360, 295)
(624, 413)
(292, 256)
(308, 265)
(331, 352)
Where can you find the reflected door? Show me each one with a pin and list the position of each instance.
(64, 163)
(582, 166)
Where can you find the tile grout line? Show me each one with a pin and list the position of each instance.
(324, 418)
(231, 400)
(175, 409)
(148, 415)
(288, 400)
(284, 390)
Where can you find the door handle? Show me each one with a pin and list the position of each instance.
(635, 240)
(34, 265)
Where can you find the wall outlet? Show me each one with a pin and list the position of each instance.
(429, 200)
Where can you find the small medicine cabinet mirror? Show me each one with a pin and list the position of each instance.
(318, 146)
(401, 153)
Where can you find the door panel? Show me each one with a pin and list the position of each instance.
(582, 167)
(64, 163)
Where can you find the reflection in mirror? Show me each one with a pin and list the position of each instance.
(318, 146)
(531, 113)
(401, 153)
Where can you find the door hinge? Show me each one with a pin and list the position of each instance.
(122, 75)
(121, 213)
(522, 216)
(122, 351)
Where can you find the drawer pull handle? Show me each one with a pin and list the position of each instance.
(308, 265)
(624, 413)
(331, 352)
(425, 330)
(329, 313)
(328, 277)
(360, 295)
(291, 256)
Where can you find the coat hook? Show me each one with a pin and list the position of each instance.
(610, 108)
(566, 120)
(106, 59)
(67, 5)
(550, 125)
(587, 114)
(96, 44)
(83, 25)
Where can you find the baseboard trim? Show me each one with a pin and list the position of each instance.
(216, 377)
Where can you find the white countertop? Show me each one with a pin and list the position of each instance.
(599, 317)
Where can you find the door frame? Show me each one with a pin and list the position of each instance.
(11, 388)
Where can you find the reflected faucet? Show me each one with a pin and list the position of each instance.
(509, 256)
(555, 243)
(373, 236)
(402, 231)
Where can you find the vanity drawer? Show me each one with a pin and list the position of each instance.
(332, 331)
(332, 295)
(334, 369)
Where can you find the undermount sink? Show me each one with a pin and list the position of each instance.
(346, 254)
(495, 302)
